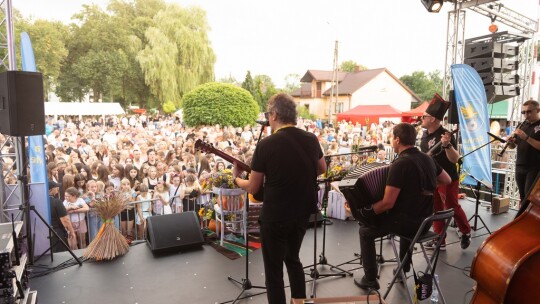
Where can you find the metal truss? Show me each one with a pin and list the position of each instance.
(11, 192)
(526, 26)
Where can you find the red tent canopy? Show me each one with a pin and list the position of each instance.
(418, 111)
(368, 114)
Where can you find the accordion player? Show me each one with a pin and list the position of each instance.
(365, 186)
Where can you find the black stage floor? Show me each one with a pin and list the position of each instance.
(200, 276)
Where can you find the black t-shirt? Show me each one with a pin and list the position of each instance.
(429, 140)
(57, 211)
(290, 174)
(527, 155)
(415, 173)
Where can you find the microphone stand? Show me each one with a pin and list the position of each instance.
(246, 282)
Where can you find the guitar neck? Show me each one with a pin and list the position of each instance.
(225, 156)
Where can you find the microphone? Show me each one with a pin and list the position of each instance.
(264, 123)
(497, 137)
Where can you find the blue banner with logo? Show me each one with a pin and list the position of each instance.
(473, 124)
(38, 167)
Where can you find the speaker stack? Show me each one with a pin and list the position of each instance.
(173, 232)
(497, 64)
(22, 107)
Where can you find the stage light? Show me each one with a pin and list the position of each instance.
(432, 6)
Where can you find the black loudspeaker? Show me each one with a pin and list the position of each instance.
(22, 107)
(453, 117)
(173, 232)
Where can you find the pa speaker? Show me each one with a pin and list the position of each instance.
(22, 108)
(173, 232)
(453, 117)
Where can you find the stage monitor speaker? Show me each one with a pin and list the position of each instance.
(453, 117)
(22, 107)
(173, 232)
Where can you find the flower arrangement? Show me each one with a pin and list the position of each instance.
(207, 210)
(337, 172)
(224, 180)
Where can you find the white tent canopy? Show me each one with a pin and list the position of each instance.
(83, 108)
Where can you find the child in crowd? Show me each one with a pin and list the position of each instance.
(161, 198)
(144, 210)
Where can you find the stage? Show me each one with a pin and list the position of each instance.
(200, 276)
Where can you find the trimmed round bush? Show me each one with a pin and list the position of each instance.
(219, 103)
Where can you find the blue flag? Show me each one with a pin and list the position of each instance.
(474, 124)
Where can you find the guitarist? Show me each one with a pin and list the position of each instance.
(446, 156)
(288, 162)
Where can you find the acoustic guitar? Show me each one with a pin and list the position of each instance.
(208, 148)
(506, 265)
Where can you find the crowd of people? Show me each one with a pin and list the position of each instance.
(153, 159)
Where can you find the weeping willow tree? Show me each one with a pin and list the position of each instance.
(177, 56)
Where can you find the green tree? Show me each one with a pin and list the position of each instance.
(169, 107)
(135, 17)
(292, 83)
(264, 88)
(424, 85)
(178, 55)
(49, 44)
(304, 113)
(219, 103)
(96, 61)
(350, 66)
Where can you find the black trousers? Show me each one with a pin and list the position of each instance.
(400, 224)
(56, 245)
(281, 242)
(524, 180)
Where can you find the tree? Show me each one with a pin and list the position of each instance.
(96, 61)
(425, 86)
(264, 88)
(219, 103)
(351, 66)
(49, 44)
(178, 55)
(292, 83)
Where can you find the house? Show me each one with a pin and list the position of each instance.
(377, 87)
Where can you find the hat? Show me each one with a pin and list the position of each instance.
(53, 184)
(437, 107)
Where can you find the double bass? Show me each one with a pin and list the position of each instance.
(507, 265)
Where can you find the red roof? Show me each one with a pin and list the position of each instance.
(368, 114)
(418, 111)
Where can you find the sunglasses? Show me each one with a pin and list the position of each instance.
(527, 112)
(426, 116)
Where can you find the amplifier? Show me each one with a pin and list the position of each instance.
(500, 205)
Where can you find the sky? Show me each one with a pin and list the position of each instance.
(282, 37)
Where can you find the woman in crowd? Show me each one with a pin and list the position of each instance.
(52, 172)
(191, 192)
(85, 171)
(132, 174)
(176, 193)
(68, 181)
(117, 174)
(76, 208)
(103, 174)
(152, 179)
(171, 155)
(80, 183)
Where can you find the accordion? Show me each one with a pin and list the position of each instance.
(364, 186)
